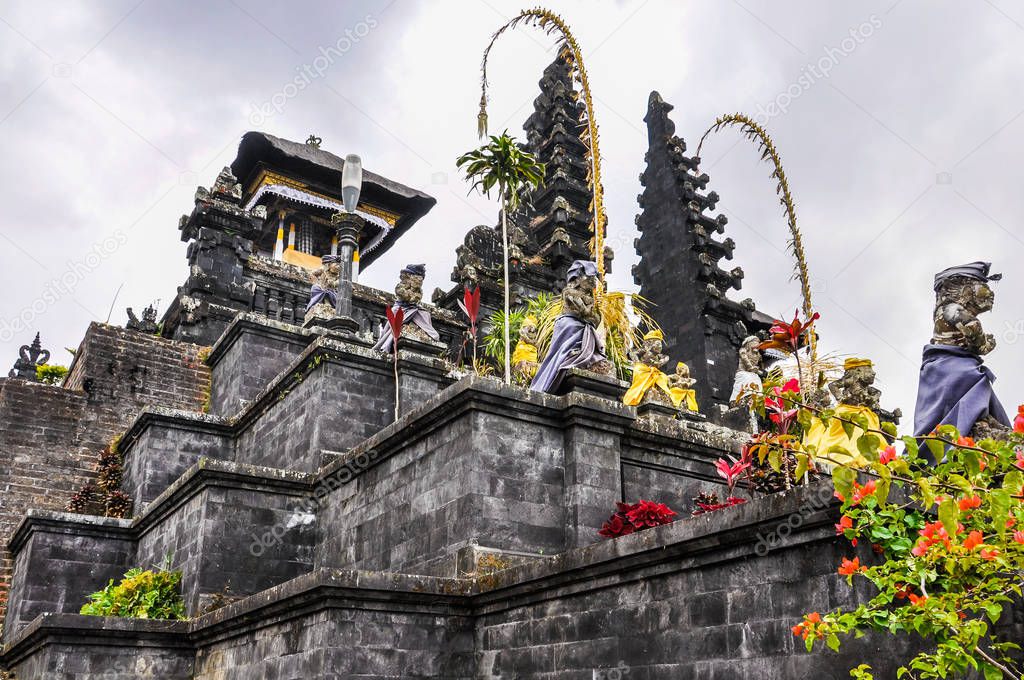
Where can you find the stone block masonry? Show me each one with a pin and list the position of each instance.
(50, 437)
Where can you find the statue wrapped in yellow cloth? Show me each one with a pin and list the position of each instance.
(680, 388)
(651, 384)
(857, 399)
(524, 356)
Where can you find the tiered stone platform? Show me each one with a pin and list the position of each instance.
(319, 537)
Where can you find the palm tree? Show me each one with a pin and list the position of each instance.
(503, 164)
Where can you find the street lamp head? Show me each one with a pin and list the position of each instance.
(351, 182)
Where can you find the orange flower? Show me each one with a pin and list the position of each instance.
(917, 600)
(814, 617)
(1018, 536)
(970, 503)
(850, 567)
(862, 492)
(965, 441)
(887, 456)
(974, 539)
(989, 553)
(845, 523)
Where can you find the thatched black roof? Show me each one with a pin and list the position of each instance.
(322, 170)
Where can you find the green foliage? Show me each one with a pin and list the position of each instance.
(51, 374)
(501, 164)
(140, 595)
(493, 341)
(948, 544)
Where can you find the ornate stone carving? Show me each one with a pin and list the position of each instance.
(29, 357)
(959, 301)
(325, 277)
(145, 325)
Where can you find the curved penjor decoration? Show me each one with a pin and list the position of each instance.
(753, 131)
(550, 22)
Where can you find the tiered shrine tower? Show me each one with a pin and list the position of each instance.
(679, 269)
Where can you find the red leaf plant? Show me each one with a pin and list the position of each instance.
(630, 518)
(396, 317)
(789, 337)
(470, 304)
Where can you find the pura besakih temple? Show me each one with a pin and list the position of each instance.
(343, 505)
(258, 234)
(680, 268)
(552, 226)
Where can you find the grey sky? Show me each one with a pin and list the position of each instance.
(903, 157)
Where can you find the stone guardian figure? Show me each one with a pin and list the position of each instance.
(575, 341)
(955, 387)
(417, 324)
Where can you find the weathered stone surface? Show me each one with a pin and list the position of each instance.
(51, 437)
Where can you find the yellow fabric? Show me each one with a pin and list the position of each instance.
(644, 378)
(682, 396)
(654, 335)
(524, 351)
(297, 257)
(855, 363)
(822, 438)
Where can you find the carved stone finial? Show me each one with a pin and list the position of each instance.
(314, 141)
(29, 357)
(148, 322)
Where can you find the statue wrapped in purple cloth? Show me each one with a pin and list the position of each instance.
(416, 324)
(575, 340)
(955, 387)
(323, 295)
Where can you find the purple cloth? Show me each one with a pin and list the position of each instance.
(574, 344)
(318, 295)
(412, 314)
(955, 388)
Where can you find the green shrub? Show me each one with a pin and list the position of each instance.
(51, 374)
(140, 595)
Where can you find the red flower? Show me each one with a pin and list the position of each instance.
(965, 441)
(989, 553)
(862, 492)
(1018, 536)
(970, 503)
(649, 514)
(844, 523)
(973, 540)
(1020, 459)
(887, 456)
(783, 419)
(917, 600)
(471, 306)
(792, 385)
(1018, 422)
(850, 567)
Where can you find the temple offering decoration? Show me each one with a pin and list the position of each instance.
(525, 355)
(858, 402)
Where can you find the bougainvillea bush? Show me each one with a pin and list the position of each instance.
(632, 517)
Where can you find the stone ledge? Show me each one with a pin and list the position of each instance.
(206, 473)
(95, 630)
(261, 325)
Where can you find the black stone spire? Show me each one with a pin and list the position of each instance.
(680, 268)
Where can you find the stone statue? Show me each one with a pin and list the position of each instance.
(524, 357)
(29, 358)
(147, 324)
(857, 399)
(577, 340)
(680, 388)
(416, 323)
(955, 387)
(747, 383)
(323, 295)
(650, 384)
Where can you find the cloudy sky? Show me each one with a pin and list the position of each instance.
(899, 123)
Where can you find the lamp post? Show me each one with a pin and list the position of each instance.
(349, 225)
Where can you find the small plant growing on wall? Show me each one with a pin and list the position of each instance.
(140, 595)
(51, 374)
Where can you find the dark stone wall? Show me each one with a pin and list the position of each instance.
(68, 556)
(51, 437)
(250, 354)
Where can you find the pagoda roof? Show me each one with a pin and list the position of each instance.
(320, 172)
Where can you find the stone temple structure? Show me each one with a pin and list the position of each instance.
(320, 537)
